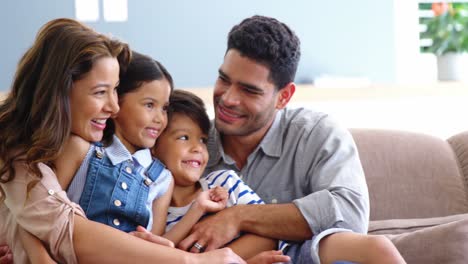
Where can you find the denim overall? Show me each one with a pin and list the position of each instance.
(116, 195)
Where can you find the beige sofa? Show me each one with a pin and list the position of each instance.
(418, 192)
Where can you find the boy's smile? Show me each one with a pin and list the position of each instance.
(182, 148)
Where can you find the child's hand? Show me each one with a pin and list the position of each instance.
(267, 257)
(219, 194)
(144, 234)
(212, 200)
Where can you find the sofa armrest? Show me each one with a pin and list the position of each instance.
(459, 144)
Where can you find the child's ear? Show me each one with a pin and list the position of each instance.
(285, 94)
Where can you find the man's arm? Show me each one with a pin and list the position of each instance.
(264, 220)
(327, 166)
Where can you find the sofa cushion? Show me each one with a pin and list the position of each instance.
(410, 175)
(438, 244)
(399, 226)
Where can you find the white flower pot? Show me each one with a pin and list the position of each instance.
(452, 67)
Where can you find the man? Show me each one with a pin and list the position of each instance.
(299, 161)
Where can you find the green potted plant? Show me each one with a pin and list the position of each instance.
(448, 30)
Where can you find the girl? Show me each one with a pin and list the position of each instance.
(120, 184)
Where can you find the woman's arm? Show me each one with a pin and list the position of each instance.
(34, 248)
(44, 210)
(160, 207)
(98, 243)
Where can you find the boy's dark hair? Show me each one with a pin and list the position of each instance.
(187, 103)
(142, 69)
(269, 42)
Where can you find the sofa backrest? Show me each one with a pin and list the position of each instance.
(411, 175)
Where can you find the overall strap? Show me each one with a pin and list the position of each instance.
(153, 171)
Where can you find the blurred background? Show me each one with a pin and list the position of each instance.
(362, 39)
(369, 63)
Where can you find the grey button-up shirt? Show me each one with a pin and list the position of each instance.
(307, 159)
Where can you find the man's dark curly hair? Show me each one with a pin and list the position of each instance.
(269, 42)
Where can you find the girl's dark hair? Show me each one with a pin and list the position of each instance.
(188, 104)
(142, 69)
(35, 117)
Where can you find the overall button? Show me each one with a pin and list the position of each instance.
(99, 154)
(274, 201)
(124, 185)
(117, 203)
(148, 182)
(116, 222)
(128, 169)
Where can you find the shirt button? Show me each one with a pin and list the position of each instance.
(50, 192)
(116, 222)
(274, 201)
(117, 203)
(128, 169)
(124, 185)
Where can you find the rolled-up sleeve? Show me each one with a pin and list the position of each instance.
(339, 197)
(43, 209)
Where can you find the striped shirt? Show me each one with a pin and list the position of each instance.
(238, 191)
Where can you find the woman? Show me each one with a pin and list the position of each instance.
(65, 84)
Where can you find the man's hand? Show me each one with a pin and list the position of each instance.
(144, 234)
(267, 257)
(6, 257)
(213, 231)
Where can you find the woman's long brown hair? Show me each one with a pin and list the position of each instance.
(35, 118)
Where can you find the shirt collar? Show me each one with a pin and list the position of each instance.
(215, 147)
(144, 158)
(118, 153)
(271, 144)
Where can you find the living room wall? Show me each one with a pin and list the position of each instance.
(346, 38)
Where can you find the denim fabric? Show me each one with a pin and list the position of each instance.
(115, 195)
